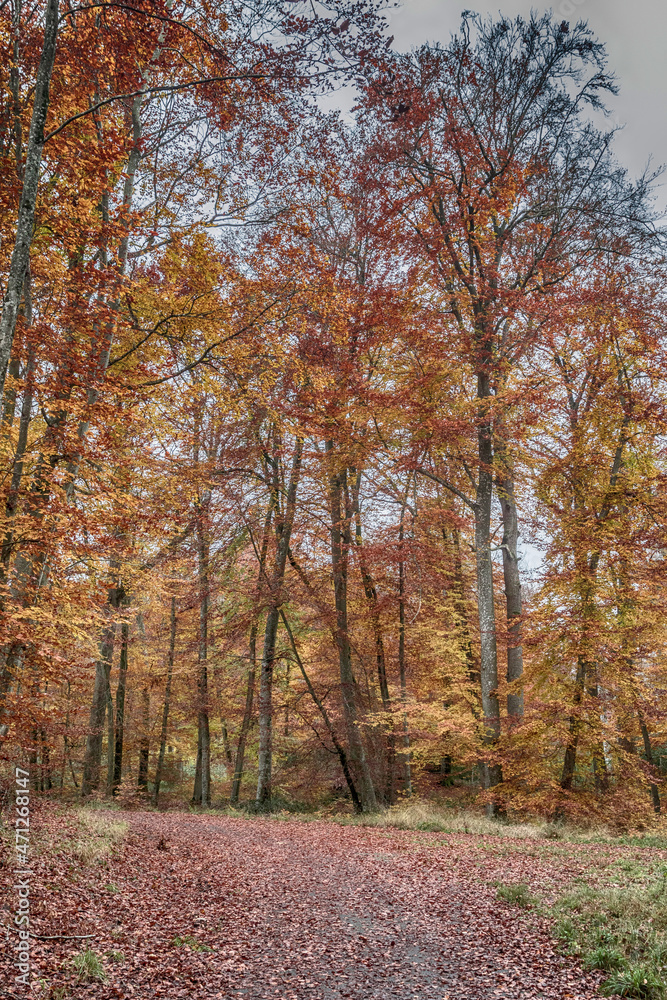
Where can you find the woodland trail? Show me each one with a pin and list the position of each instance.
(293, 910)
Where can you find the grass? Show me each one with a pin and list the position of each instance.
(620, 928)
(191, 942)
(420, 815)
(95, 834)
(88, 967)
(516, 895)
(84, 834)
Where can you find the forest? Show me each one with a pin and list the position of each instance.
(332, 441)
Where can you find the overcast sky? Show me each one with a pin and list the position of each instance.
(634, 32)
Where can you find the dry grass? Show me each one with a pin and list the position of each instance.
(420, 815)
(95, 834)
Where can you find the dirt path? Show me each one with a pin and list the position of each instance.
(304, 910)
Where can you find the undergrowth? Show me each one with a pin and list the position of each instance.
(94, 835)
(88, 967)
(620, 929)
(516, 895)
(419, 814)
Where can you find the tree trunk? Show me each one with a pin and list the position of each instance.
(93, 754)
(26, 216)
(464, 623)
(370, 592)
(110, 739)
(342, 756)
(120, 708)
(407, 767)
(284, 522)
(512, 579)
(45, 762)
(570, 759)
(250, 686)
(341, 542)
(247, 718)
(144, 742)
(202, 790)
(648, 753)
(491, 772)
(587, 573)
(167, 701)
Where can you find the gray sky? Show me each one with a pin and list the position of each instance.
(635, 33)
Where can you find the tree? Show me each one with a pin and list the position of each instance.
(506, 191)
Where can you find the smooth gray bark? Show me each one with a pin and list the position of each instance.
(491, 772)
(202, 790)
(341, 543)
(407, 766)
(284, 522)
(25, 224)
(120, 707)
(93, 753)
(144, 741)
(167, 701)
(512, 579)
(111, 742)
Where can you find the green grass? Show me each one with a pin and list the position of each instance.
(639, 981)
(620, 928)
(191, 942)
(517, 894)
(88, 967)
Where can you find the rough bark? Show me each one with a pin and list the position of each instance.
(284, 521)
(26, 215)
(167, 702)
(341, 542)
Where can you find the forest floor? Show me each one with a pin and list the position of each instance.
(207, 906)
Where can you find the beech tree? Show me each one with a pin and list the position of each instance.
(282, 395)
(506, 192)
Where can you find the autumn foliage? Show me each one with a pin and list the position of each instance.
(333, 455)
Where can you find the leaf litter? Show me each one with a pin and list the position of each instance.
(212, 906)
